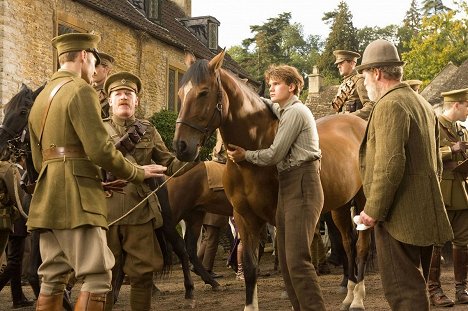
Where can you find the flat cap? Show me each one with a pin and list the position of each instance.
(72, 42)
(106, 59)
(342, 55)
(122, 80)
(455, 95)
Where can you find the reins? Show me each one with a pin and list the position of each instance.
(147, 197)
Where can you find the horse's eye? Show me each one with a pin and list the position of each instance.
(202, 93)
(23, 112)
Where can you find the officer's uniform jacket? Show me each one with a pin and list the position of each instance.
(453, 184)
(352, 89)
(401, 165)
(150, 149)
(215, 220)
(68, 193)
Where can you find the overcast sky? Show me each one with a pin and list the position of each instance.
(236, 16)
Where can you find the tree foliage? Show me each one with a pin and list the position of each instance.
(433, 7)
(410, 28)
(343, 36)
(443, 38)
(278, 41)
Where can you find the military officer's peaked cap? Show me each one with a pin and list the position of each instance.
(122, 80)
(72, 42)
(342, 55)
(106, 59)
(456, 95)
(414, 84)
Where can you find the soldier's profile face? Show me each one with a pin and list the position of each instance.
(101, 74)
(462, 111)
(346, 67)
(89, 67)
(123, 103)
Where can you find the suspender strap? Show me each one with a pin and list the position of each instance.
(46, 111)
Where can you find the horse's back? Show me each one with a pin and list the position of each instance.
(340, 138)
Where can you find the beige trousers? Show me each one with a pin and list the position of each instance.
(83, 250)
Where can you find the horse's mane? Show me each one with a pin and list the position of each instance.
(25, 95)
(196, 73)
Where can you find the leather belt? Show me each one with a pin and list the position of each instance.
(63, 152)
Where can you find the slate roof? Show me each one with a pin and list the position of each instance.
(432, 91)
(169, 30)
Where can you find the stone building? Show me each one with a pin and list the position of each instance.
(146, 37)
(320, 96)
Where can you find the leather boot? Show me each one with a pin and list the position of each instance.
(460, 256)
(90, 302)
(437, 296)
(140, 298)
(49, 302)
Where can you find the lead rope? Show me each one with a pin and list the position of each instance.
(147, 197)
(18, 201)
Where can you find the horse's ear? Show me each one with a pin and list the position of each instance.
(189, 58)
(217, 61)
(23, 86)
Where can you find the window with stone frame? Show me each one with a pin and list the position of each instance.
(174, 76)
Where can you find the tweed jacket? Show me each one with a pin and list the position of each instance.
(68, 192)
(150, 149)
(453, 184)
(401, 165)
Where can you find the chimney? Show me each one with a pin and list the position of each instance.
(315, 81)
(205, 28)
(185, 5)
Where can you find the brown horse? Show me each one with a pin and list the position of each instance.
(213, 98)
(190, 198)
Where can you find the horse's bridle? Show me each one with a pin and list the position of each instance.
(8, 130)
(207, 131)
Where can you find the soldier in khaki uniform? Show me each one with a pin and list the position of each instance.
(213, 224)
(400, 167)
(103, 70)
(414, 84)
(131, 238)
(352, 95)
(453, 145)
(68, 141)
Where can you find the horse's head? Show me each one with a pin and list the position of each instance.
(201, 112)
(16, 113)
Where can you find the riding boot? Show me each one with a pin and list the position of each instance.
(460, 256)
(49, 302)
(140, 298)
(437, 296)
(90, 302)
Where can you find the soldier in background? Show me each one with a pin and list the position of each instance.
(414, 84)
(103, 70)
(352, 95)
(453, 146)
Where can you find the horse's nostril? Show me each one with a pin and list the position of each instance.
(180, 146)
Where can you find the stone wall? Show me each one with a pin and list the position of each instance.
(27, 26)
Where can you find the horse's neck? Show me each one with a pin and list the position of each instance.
(249, 122)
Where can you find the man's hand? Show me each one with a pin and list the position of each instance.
(154, 170)
(237, 154)
(459, 146)
(367, 220)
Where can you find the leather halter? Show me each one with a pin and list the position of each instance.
(207, 131)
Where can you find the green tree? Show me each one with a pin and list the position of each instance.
(368, 34)
(443, 38)
(433, 7)
(410, 28)
(278, 41)
(343, 36)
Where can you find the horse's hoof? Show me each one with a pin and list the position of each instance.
(190, 304)
(342, 290)
(344, 307)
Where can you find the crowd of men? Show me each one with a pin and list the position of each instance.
(411, 163)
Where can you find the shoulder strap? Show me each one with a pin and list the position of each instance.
(46, 111)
